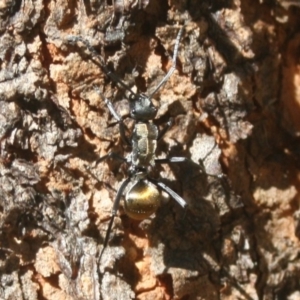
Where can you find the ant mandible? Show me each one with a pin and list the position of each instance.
(142, 198)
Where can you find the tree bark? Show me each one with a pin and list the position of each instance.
(234, 98)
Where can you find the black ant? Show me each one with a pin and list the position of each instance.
(143, 197)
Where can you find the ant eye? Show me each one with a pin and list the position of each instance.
(133, 111)
(132, 97)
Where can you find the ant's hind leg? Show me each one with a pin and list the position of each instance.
(169, 191)
(114, 213)
(180, 159)
(100, 159)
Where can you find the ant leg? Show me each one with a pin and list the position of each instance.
(165, 129)
(174, 159)
(179, 159)
(114, 213)
(169, 191)
(73, 39)
(100, 159)
(172, 69)
(116, 116)
(112, 155)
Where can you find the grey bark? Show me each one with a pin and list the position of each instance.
(234, 99)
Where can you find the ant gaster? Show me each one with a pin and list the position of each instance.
(143, 196)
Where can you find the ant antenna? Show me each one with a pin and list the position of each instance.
(109, 73)
(172, 69)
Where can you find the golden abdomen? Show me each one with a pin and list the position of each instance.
(142, 200)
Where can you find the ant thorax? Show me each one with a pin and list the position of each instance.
(144, 142)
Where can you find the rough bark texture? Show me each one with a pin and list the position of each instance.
(235, 99)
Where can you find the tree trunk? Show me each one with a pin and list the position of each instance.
(235, 101)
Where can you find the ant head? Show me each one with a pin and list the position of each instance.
(141, 107)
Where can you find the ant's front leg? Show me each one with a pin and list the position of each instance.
(112, 110)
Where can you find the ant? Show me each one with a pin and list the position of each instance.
(142, 197)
